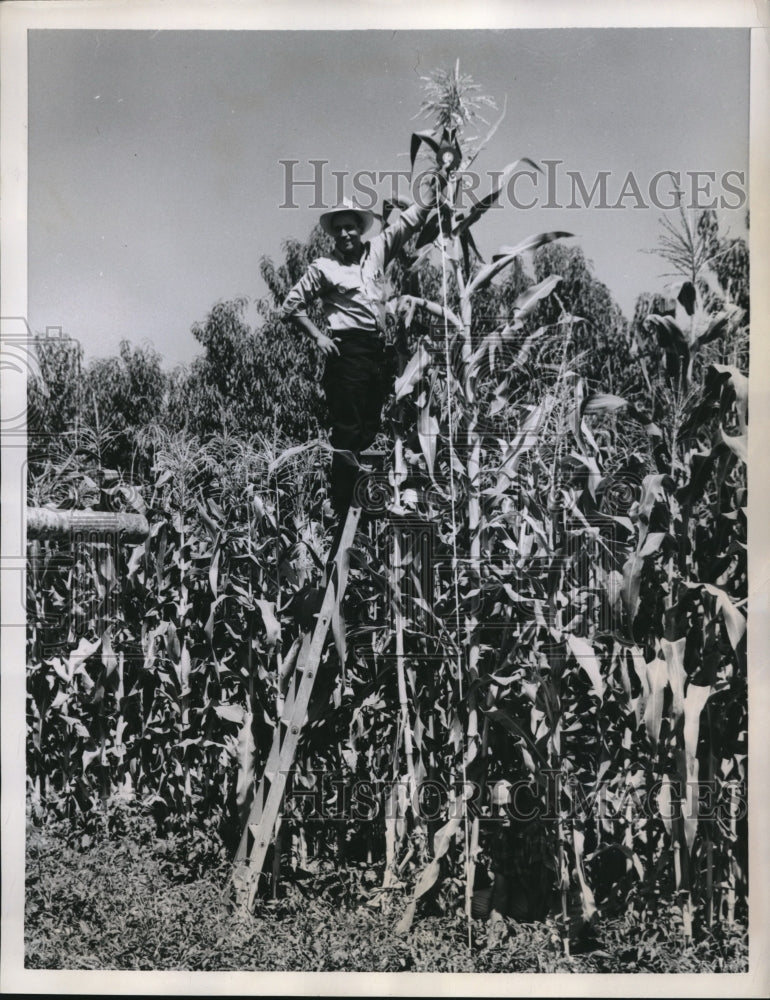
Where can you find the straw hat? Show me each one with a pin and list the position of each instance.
(346, 207)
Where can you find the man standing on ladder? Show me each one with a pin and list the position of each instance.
(351, 286)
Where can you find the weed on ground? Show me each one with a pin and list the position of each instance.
(133, 901)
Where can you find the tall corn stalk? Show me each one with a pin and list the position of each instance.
(462, 281)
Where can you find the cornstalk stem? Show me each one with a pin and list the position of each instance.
(732, 877)
(398, 617)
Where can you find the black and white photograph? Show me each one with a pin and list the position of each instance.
(384, 588)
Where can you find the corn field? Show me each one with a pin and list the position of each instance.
(536, 690)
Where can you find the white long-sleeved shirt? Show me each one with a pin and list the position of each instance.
(354, 295)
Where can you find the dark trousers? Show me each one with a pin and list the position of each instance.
(354, 384)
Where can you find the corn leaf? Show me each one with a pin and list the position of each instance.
(665, 804)
(674, 656)
(587, 900)
(271, 623)
(586, 657)
(231, 713)
(246, 754)
(418, 138)
(657, 677)
(737, 443)
(632, 572)
(78, 656)
(413, 372)
(526, 437)
(735, 623)
(528, 299)
(475, 212)
(507, 255)
(694, 702)
(740, 385)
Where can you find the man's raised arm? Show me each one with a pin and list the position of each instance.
(410, 220)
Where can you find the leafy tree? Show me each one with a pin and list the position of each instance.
(126, 394)
(732, 270)
(600, 330)
(263, 381)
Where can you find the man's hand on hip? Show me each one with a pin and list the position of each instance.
(327, 345)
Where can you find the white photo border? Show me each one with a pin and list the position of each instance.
(16, 19)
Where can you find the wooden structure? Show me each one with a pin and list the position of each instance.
(43, 522)
(265, 809)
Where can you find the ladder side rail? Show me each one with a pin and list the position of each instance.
(294, 719)
(273, 760)
(334, 593)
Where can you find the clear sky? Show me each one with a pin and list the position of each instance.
(155, 182)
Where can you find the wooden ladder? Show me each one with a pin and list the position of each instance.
(260, 826)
